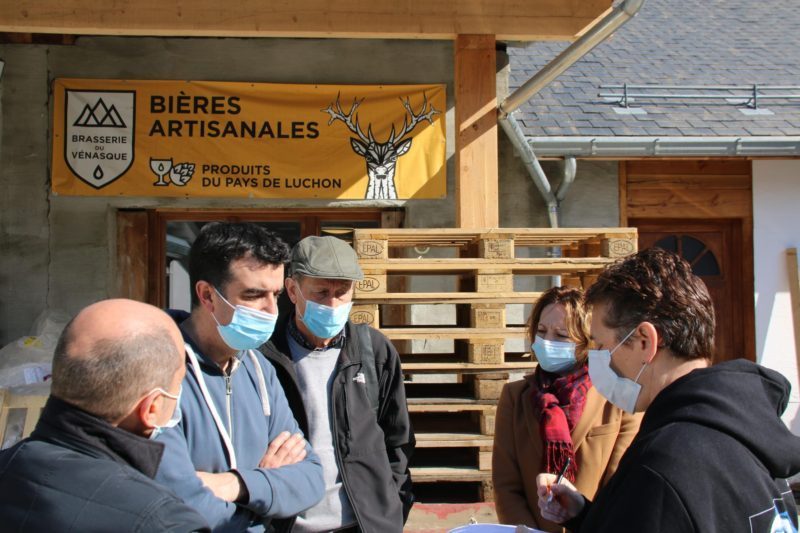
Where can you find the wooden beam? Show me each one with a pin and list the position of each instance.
(794, 291)
(476, 132)
(132, 254)
(431, 19)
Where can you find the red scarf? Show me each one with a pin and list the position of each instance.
(559, 401)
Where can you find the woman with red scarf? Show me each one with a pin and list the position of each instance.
(555, 415)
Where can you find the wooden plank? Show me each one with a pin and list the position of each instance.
(365, 314)
(448, 298)
(725, 166)
(494, 282)
(450, 237)
(438, 19)
(623, 193)
(485, 315)
(371, 248)
(472, 234)
(672, 182)
(485, 351)
(487, 490)
(487, 422)
(485, 459)
(616, 248)
(465, 368)
(372, 282)
(132, 255)
(455, 265)
(494, 247)
(476, 131)
(445, 473)
(444, 333)
(748, 287)
(794, 290)
(452, 440)
(663, 203)
(448, 405)
(489, 388)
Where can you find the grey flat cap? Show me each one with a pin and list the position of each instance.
(325, 257)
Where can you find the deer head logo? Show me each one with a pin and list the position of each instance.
(381, 157)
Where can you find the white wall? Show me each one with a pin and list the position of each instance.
(776, 226)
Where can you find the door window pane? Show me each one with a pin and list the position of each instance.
(344, 229)
(181, 235)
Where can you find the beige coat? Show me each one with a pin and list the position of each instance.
(600, 438)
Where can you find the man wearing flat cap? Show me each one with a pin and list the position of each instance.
(345, 387)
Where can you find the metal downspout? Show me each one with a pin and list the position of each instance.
(570, 168)
(603, 29)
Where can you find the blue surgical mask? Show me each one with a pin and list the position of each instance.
(323, 321)
(554, 356)
(176, 414)
(248, 329)
(620, 391)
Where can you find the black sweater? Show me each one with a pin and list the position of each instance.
(78, 473)
(712, 455)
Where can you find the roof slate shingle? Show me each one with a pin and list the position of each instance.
(672, 42)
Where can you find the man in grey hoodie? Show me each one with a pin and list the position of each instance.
(238, 455)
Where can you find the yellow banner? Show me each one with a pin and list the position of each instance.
(251, 140)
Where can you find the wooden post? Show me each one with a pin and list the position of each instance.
(476, 132)
(132, 255)
(794, 291)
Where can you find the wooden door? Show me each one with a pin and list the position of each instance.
(713, 248)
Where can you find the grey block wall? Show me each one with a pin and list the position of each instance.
(57, 252)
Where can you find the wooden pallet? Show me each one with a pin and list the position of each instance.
(486, 261)
(18, 416)
(454, 419)
(499, 243)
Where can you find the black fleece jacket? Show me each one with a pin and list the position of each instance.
(711, 455)
(79, 473)
(373, 450)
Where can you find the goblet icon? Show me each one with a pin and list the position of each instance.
(161, 168)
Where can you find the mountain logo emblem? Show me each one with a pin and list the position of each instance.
(100, 115)
(99, 134)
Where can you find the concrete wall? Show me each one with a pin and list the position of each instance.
(24, 209)
(776, 218)
(58, 252)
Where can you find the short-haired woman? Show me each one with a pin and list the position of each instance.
(554, 418)
(712, 453)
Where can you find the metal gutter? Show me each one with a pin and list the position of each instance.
(654, 146)
(618, 16)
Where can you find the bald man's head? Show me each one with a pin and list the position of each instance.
(112, 354)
